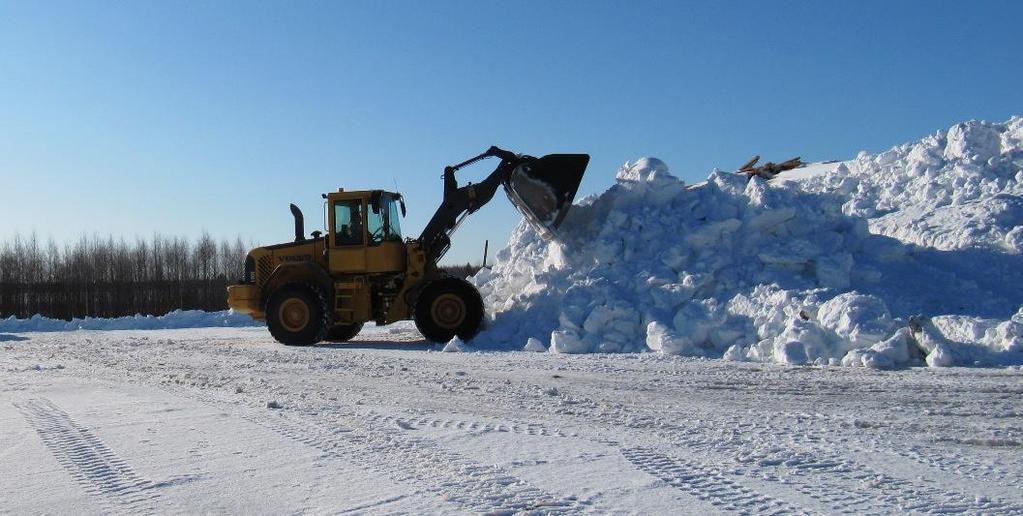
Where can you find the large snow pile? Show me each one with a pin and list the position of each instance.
(954, 189)
(173, 320)
(912, 255)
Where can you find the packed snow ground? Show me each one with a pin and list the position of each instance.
(225, 420)
(910, 257)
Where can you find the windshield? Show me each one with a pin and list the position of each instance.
(383, 223)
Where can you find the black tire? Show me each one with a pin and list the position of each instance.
(343, 332)
(298, 315)
(449, 307)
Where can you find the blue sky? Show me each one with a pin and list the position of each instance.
(129, 118)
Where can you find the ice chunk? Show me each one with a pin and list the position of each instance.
(862, 320)
(643, 170)
(973, 140)
(735, 353)
(534, 344)
(897, 350)
(568, 342)
(455, 345)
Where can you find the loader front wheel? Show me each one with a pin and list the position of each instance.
(449, 307)
(297, 315)
(343, 332)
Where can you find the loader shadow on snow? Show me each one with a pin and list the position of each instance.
(418, 345)
(8, 337)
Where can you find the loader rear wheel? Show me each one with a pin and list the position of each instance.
(297, 315)
(449, 307)
(343, 332)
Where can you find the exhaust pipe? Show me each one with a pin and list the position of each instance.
(299, 223)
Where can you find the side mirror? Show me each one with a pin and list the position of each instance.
(401, 203)
(374, 203)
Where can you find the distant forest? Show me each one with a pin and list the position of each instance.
(104, 277)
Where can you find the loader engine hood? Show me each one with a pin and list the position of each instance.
(543, 189)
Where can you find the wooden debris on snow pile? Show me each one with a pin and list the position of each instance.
(768, 170)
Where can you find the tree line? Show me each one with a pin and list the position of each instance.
(106, 277)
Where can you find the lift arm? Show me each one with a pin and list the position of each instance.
(459, 202)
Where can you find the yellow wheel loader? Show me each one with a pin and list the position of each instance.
(361, 269)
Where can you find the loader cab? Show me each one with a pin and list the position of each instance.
(364, 232)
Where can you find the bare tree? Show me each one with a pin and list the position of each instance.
(104, 277)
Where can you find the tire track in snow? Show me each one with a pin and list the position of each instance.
(93, 465)
(821, 458)
(468, 424)
(473, 486)
(807, 464)
(839, 483)
(826, 482)
(873, 438)
(388, 449)
(878, 493)
(706, 484)
(955, 462)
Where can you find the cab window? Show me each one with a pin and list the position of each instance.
(348, 222)
(393, 222)
(375, 224)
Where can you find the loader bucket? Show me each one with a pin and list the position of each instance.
(543, 189)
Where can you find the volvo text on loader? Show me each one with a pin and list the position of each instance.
(327, 286)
